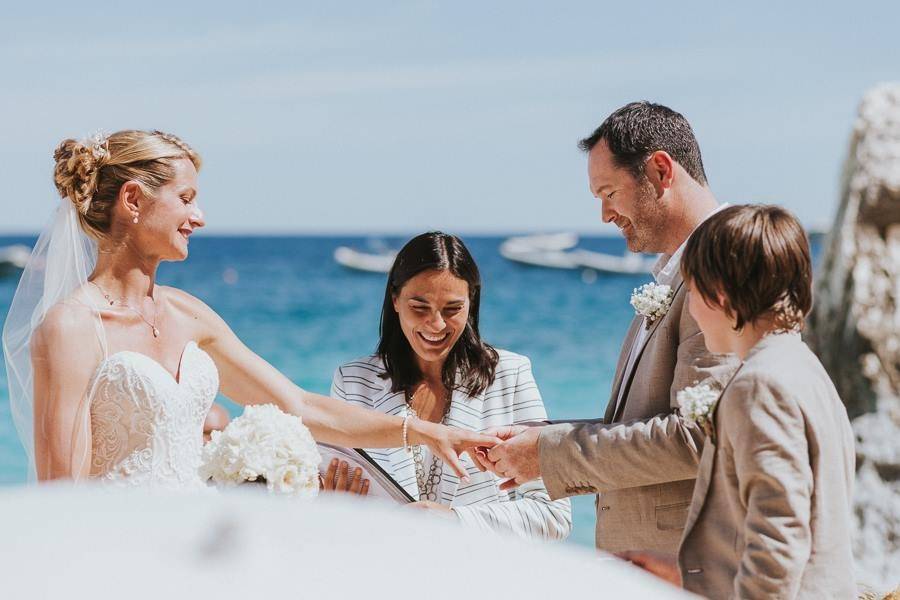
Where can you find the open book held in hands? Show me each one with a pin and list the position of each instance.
(381, 485)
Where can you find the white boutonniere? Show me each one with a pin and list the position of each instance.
(696, 404)
(652, 301)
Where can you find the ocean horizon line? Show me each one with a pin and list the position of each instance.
(816, 231)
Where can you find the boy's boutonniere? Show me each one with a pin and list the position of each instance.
(696, 404)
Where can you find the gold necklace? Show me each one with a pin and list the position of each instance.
(129, 307)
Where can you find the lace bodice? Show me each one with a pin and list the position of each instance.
(146, 426)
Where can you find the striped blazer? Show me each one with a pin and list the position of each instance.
(512, 398)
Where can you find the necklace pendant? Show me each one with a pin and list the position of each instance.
(155, 332)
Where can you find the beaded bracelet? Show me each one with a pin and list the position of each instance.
(406, 432)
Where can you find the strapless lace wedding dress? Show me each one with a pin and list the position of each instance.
(146, 425)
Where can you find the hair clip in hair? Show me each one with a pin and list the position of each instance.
(99, 145)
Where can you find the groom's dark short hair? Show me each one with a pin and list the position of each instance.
(757, 257)
(639, 129)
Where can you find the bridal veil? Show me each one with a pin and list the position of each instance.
(62, 259)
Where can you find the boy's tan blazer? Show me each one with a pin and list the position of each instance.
(771, 516)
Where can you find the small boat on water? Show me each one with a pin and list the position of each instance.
(542, 250)
(628, 264)
(13, 259)
(377, 262)
(542, 241)
(558, 251)
(551, 259)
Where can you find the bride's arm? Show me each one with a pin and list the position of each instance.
(63, 363)
(248, 379)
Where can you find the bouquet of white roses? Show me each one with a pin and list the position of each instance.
(264, 444)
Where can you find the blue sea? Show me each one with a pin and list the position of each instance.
(289, 301)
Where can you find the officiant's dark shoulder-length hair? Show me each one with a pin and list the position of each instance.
(471, 363)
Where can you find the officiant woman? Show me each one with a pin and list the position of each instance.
(432, 364)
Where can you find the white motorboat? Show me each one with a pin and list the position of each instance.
(13, 258)
(542, 250)
(628, 264)
(542, 241)
(552, 259)
(558, 251)
(369, 262)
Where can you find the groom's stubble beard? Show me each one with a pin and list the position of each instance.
(648, 221)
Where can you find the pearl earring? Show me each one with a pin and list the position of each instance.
(135, 219)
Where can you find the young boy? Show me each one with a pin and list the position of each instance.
(770, 514)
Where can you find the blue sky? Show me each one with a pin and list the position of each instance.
(397, 117)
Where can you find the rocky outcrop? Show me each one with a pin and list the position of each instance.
(855, 326)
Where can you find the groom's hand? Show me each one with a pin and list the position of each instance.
(517, 457)
(503, 433)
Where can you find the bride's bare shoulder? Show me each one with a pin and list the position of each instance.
(66, 321)
(181, 300)
(189, 307)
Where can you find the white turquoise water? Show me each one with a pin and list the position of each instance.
(296, 307)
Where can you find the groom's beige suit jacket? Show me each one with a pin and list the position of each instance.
(641, 459)
(772, 507)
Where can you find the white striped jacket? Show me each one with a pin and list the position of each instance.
(512, 398)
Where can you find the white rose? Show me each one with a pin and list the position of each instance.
(264, 442)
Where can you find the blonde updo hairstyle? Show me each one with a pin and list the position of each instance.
(91, 172)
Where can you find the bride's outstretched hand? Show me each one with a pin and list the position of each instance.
(449, 442)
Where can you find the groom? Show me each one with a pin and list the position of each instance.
(644, 165)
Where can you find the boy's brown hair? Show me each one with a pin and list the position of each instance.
(757, 258)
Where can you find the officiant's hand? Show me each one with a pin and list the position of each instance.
(517, 457)
(337, 478)
(662, 565)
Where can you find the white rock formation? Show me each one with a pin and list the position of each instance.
(855, 327)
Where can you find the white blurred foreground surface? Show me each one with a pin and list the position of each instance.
(64, 542)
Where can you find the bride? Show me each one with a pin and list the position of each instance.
(111, 375)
